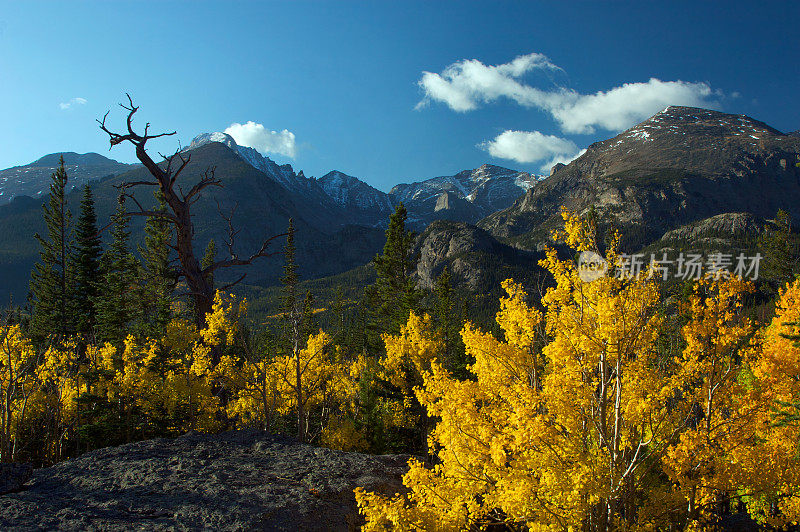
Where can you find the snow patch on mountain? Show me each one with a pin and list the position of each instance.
(350, 191)
(487, 186)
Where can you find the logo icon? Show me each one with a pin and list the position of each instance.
(591, 266)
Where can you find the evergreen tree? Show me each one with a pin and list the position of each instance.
(310, 325)
(290, 278)
(395, 291)
(338, 322)
(208, 259)
(86, 258)
(293, 318)
(51, 277)
(158, 279)
(117, 304)
(780, 247)
(449, 323)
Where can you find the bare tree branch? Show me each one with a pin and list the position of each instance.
(262, 252)
(234, 283)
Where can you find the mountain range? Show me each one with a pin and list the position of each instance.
(338, 218)
(466, 196)
(681, 172)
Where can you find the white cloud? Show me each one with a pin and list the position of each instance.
(532, 146)
(563, 159)
(466, 84)
(262, 139)
(624, 106)
(74, 101)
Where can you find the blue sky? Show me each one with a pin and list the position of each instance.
(343, 85)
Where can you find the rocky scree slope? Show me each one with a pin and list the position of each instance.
(680, 166)
(240, 480)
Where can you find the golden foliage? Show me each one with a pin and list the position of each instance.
(581, 432)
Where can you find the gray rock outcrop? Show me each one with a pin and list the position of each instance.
(240, 480)
(14, 476)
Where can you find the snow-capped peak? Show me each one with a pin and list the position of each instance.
(284, 174)
(217, 136)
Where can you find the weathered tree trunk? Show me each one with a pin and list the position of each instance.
(179, 214)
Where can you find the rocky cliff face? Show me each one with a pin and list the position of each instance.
(682, 165)
(467, 196)
(734, 224)
(242, 480)
(477, 261)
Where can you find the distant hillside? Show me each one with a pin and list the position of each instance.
(339, 218)
(34, 179)
(684, 175)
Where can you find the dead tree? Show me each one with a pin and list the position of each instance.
(179, 204)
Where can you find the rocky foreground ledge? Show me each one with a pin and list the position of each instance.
(240, 480)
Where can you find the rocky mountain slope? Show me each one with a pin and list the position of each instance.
(467, 196)
(34, 179)
(475, 259)
(353, 200)
(680, 166)
(242, 480)
(357, 196)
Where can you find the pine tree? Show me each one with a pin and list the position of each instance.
(338, 321)
(780, 247)
(86, 258)
(51, 277)
(310, 325)
(395, 293)
(448, 322)
(158, 280)
(290, 278)
(293, 318)
(117, 304)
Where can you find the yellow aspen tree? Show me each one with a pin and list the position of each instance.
(768, 462)
(312, 370)
(249, 375)
(61, 387)
(472, 438)
(575, 449)
(345, 431)
(19, 379)
(189, 383)
(710, 379)
(409, 355)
